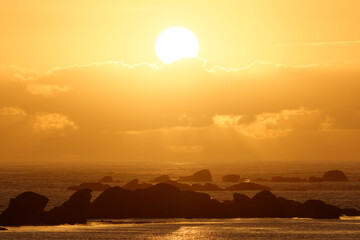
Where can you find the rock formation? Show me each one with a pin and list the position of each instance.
(106, 179)
(335, 176)
(200, 176)
(231, 178)
(160, 201)
(72, 211)
(134, 185)
(161, 179)
(25, 209)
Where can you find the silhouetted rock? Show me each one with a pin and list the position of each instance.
(3, 229)
(200, 176)
(350, 212)
(247, 186)
(134, 184)
(106, 179)
(90, 186)
(159, 201)
(161, 179)
(287, 179)
(319, 209)
(241, 199)
(231, 178)
(290, 208)
(315, 179)
(266, 205)
(25, 209)
(205, 187)
(72, 211)
(181, 186)
(334, 175)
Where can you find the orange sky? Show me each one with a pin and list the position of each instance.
(275, 80)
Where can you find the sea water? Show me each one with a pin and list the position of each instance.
(52, 182)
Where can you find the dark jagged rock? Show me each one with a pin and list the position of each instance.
(161, 179)
(290, 208)
(90, 186)
(134, 185)
(72, 211)
(247, 186)
(266, 205)
(335, 175)
(350, 212)
(287, 179)
(181, 186)
(195, 186)
(241, 199)
(205, 187)
(25, 209)
(3, 229)
(159, 201)
(319, 209)
(315, 179)
(231, 178)
(106, 179)
(200, 176)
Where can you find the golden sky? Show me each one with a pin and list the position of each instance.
(274, 80)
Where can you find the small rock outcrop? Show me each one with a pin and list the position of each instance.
(134, 185)
(231, 178)
(319, 209)
(205, 187)
(25, 209)
(90, 186)
(200, 176)
(72, 211)
(247, 186)
(3, 229)
(106, 179)
(161, 179)
(334, 176)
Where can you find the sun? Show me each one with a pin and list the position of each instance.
(176, 43)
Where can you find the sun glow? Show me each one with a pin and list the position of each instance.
(176, 43)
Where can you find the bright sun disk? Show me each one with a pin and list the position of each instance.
(176, 43)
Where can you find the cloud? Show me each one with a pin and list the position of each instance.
(12, 111)
(113, 110)
(53, 121)
(274, 125)
(46, 90)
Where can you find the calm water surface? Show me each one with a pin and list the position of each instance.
(53, 183)
(346, 228)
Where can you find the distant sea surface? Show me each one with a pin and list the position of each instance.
(52, 182)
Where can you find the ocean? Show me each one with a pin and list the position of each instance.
(52, 182)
